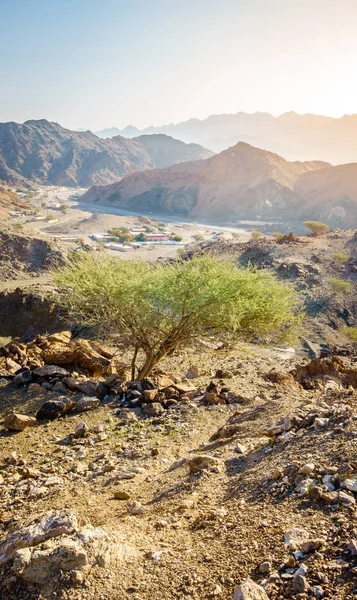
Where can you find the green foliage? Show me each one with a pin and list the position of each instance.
(156, 307)
(340, 257)
(316, 227)
(277, 235)
(140, 237)
(121, 234)
(256, 235)
(350, 332)
(339, 286)
(176, 238)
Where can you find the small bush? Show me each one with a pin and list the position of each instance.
(349, 332)
(277, 235)
(339, 286)
(339, 257)
(256, 235)
(316, 227)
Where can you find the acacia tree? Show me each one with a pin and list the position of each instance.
(157, 307)
(316, 227)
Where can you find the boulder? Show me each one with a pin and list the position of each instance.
(62, 337)
(17, 422)
(51, 371)
(87, 386)
(68, 548)
(85, 403)
(78, 352)
(51, 525)
(55, 408)
(25, 376)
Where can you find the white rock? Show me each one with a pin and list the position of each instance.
(249, 590)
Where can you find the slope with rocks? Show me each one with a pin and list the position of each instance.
(10, 201)
(22, 255)
(244, 483)
(242, 181)
(323, 269)
(46, 153)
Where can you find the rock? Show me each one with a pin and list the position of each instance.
(121, 495)
(346, 499)
(150, 395)
(55, 408)
(223, 374)
(300, 539)
(135, 508)
(249, 590)
(35, 388)
(318, 592)
(265, 567)
(54, 544)
(63, 337)
(227, 431)
(153, 409)
(87, 386)
(17, 422)
(52, 525)
(80, 430)
(193, 372)
(201, 462)
(307, 469)
(352, 547)
(12, 366)
(300, 584)
(25, 376)
(50, 371)
(85, 404)
(60, 388)
(350, 483)
(80, 353)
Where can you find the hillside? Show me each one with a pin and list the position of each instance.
(331, 194)
(242, 181)
(10, 201)
(229, 474)
(294, 136)
(46, 153)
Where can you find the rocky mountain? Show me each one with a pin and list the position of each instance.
(46, 153)
(242, 181)
(294, 136)
(331, 194)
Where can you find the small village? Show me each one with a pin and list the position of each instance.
(124, 239)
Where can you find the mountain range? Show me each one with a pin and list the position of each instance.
(241, 182)
(46, 153)
(294, 136)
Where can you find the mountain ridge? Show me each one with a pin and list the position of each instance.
(44, 152)
(240, 181)
(294, 136)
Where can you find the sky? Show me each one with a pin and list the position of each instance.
(100, 63)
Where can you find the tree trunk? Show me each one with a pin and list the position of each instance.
(133, 363)
(150, 363)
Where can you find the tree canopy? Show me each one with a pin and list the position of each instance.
(157, 307)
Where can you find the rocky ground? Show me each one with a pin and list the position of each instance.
(232, 481)
(310, 263)
(231, 473)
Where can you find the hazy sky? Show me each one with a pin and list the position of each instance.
(100, 63)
